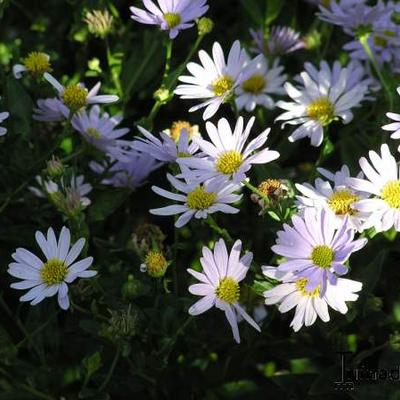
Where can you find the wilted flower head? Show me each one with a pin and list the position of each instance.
(100, 22)
(35, 63)
(172, 16)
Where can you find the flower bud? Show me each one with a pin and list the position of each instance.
(154, 264)
(54, 168)
(100, 22)
(204, 26)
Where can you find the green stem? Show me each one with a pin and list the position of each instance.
(168, 60)
(256, 191)
(223, 232)
(35, 392)
(364, 43)
(114, 75)
(111, 370)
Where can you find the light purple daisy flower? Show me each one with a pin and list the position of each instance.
(170, 15)
(50, 110)
(220, 283)
(315, 248)
(99, 130)
(166, 150)
(131, 172)
(3, 116)
(48, 278)
(281, 40)
(394, 126)
(198, 200)
(228, 156)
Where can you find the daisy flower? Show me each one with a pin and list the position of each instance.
(130, 172)
(172, 16)
(35, 63)
(3, 116)
(315, 249)
(383, 182)
(220, 283)
(394, 126)
(99, 131)
(256, 90)
(227, 155)
(48, 278)
(216, 79)
(167, 149)
(198, 200)
(310, 305)
(322, 98)
(76, 96)
(281, 40)
(50, 110)
(337, 198)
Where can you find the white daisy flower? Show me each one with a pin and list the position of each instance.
(227, 155)
(99, 131)
(258, 87)
(198, 200)
(383, 182)
(35, 63)
(323, 98)
(216, 79)
(220, 283)
(337, 198)
(46, 279)
(172, 16)
(167, 150)
(76, 96)
(309, 305)
(394, 126)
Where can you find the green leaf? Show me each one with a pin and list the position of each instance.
(92, 364)
(19, 105)
(106, 203)
(252, 7)
(274, 8)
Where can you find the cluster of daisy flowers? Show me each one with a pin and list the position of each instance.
(210, 165)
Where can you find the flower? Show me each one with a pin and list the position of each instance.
(76, 96)
(220, 283)
(227, 157)
(131, 172)
(325, 96)
(3, 116)
(172, 16)
(36, 63)
(99, 22)
(337, 199)
(394, 126)
(46, 279)
(70, 197)
(293, 292)
(315, 248)
(178, 126)
(256, 88)
(281, 40)
(166, 150)
(199, 200)
(50, 110)
(98, 130)
(154, 264)
(216, 79)
(383, 182)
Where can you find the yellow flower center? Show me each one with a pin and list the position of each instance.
(53, 272)
(172, 19)
(301, 287)
(156, 263)
(94, 133)
(75, 97)
(326, 3)
(322, 256)
(321, 110)
(229, 162)
(37, 63)
(222, 85)
(228, 290)
(199, 199)
(183, 154)
(341, 201)
(254, 84)
(269, 187)
(391, 194)
(177, 127)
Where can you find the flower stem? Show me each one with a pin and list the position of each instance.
(221, 231)
(364, 43)
(111, 370)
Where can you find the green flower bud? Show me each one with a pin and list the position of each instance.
(204, 26)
